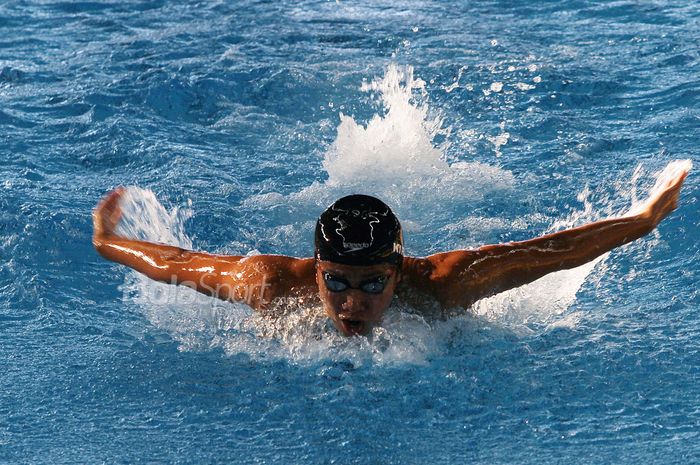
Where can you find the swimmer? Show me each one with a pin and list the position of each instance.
(359, 264)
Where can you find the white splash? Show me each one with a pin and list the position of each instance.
(455, 84)
(143, 217)
(527, 308)
(500, 140)
(394, 158)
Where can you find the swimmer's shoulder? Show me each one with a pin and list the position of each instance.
(435, 275)
(417, 276)
(438, 267)
(283, 271)
(282, 266)
(274, 277)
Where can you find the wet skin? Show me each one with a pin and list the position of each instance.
(453, 279)
(354, 311)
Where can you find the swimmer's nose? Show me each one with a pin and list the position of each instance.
(354, 302)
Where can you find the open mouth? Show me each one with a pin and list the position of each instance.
(355, 327)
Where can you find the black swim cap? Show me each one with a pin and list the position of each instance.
(359, 230)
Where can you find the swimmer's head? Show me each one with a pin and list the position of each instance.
(359, 230)
(359, 252)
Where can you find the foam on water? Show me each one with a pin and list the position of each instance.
(393, 157)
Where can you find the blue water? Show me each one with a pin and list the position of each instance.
(235, 123)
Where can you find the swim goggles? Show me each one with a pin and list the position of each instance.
(369, 286)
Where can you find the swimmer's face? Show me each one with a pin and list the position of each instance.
(355, 297)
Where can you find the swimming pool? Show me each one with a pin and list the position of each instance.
(236, 123)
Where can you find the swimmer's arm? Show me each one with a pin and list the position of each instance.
(254, 280)
(169, 264)
(462, 277)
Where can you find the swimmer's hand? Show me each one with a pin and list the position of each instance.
(664, 195)
(106, 216)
